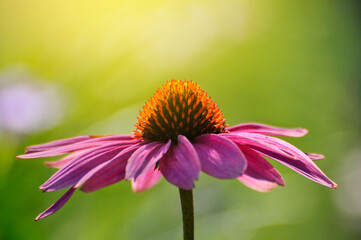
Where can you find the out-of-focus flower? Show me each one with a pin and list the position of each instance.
(26, 105)
(179, 133)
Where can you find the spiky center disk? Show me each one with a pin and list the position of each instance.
(179, 107)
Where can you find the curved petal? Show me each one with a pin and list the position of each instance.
(180, 165)
(57, 143)
(147, 180)
(257, 184)
(74, 140)
(145, 158)
(268, 130)
(62, 162)
(259, 168)
(78, 167)
(299, 161)
(94, 142)
(219, 156)
(112, 172)
(247, 139)
(60, 203)
(315, 156)
(57, 205)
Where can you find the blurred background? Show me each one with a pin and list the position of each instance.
(69, 68)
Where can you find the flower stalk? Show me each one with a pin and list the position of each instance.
(186, 197)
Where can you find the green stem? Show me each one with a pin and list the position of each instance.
(186, 197)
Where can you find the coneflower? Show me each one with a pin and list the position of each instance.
(180, 132)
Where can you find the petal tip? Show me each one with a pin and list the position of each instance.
(300, 132)
(303, 130)
(137, 191)
(41, 216)
(266, 190)
(50, 164)
(315, 156)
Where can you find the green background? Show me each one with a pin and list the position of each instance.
(286, 63)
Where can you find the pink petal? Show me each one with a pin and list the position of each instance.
(111, 173)
(94, 142)
(299, 162)
(78, 167)
(259, 168)
(147, 180)
(219, 157)
(257, 184)
(62, 162)
(104, 166)
(145, 158)
(268, 130)
(57, 143)
(180, 165)
(315, 156)
(113, 137)
(60, 203)
(245, 139)
(57, 205)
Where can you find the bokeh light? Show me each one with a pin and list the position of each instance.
(27, 105)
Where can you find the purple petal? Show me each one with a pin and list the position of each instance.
(60, 203)
(315, 156)
(268, 130)
(69, 141)
(180, 165)
(118, 140)
(259, 168)
(299, 161)
(113, 138)
(145, 158)
(247, 139)
(78, 167)
(147, 180)
(91, 173)
(219, 157)
(105, 166)
(62, 162)
(257, 184)
(111, 173)
(57, 205)
(94, 142)
(57, 143)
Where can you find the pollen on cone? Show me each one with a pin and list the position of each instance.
(179, 108)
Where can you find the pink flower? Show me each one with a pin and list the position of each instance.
(180, 133)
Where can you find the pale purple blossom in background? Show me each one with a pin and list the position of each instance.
(28, 105)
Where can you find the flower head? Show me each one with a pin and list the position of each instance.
(179, 108)
(179, 133)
